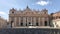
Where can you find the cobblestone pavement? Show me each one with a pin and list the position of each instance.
(29, 31)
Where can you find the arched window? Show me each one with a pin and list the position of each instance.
(45, 23)
(12, 12)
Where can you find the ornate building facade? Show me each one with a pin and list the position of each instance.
(28, 17)
(56, 19)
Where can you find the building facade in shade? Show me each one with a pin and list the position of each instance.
(28, 17)
(3, 22)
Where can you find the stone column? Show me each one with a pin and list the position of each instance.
(43, 24)
(31, 21)
(27, 21)
(10, 19)
(34, 21)
(24, 21)
(15, 22)
(9, 22)
(47, 21)
(19, 20)
(39, 21)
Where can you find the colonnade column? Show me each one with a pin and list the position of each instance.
(24, 21)
(27, 21)
(34, 21)
(47, 21)
(43, 24)
(31, 21)
(39, 21)
(19, 21)
(15, 22)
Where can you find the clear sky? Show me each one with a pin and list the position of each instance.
(50, 5)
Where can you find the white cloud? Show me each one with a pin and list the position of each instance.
(2, 13)
(42, 3)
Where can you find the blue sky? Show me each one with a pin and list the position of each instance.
(50, 5)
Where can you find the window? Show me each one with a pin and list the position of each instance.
(59, 17)
(45, 23)
(12, 12)
(21, 24)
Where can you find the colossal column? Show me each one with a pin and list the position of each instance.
(15, 22)
(24, 21)
(19, 20)
(39, 21)
(47, 21)
(43, 21)
(31, 21)
(27, 21)
(34, 21)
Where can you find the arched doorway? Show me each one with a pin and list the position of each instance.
(21, 24)
(30, 24)
(45, 23)
(37, 24)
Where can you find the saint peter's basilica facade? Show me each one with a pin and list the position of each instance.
(29, 17)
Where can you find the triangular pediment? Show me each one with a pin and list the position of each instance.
(27, 9)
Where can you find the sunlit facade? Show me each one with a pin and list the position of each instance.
(56, 19)
(28, 17)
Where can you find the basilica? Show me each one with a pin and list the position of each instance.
(28, 17)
